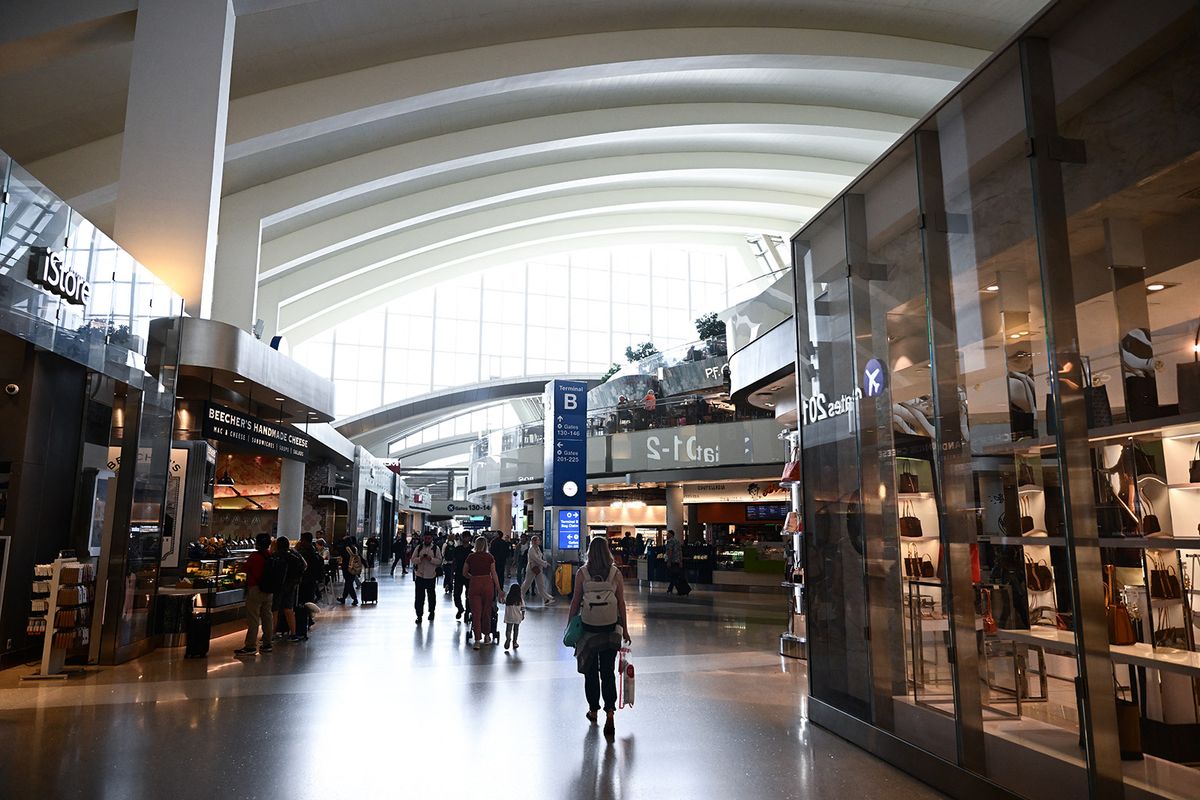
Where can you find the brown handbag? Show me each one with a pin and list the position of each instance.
(1120, 626)
(791, 472)
(989, 622)
(912, 564)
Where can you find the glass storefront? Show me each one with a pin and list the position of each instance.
(998, 377)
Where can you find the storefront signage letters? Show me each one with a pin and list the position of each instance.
(226, 425)
(47, 270)
(819, 407)
(684, 450)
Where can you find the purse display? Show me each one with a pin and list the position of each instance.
(912, 563)
(1038, 575)
(1164, 582)
(989, 622)
(910, 525)
(1120, 626)
(1166, 635)
(1149, 522)
(1027, 523)
(1194, 466)
(791, 472)
(908, 483)
(1025, 474)
(1187, 381)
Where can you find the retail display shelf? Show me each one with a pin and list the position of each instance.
(1183, 486)
(1140, 654)
(914, 495)
(1025, 541)
(1165, 427)
(1027, 490)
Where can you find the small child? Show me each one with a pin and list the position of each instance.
(514, 615)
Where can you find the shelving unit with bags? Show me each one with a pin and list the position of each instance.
(61, 612)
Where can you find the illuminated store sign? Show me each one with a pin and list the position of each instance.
(48, 271)
(226, 425)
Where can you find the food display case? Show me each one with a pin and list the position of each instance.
(220, 581)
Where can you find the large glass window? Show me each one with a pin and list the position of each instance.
(571, 313)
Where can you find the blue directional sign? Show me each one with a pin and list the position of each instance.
(566, 443)
(570, 523)
(874, 378)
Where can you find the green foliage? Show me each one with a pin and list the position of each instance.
(611, 371)
(643, 350)
(709, 327)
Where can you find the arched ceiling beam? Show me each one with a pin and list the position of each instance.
(345, 297)
(770, 209)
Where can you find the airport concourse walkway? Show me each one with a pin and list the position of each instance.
(373, 706)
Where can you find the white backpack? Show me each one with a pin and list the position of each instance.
(599, 606)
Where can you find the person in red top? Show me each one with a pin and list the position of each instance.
(258, 602)
(483, 587)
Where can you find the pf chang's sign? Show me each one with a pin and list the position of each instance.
(48, 271)
(226, 425)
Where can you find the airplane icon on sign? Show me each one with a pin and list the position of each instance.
(873, 379)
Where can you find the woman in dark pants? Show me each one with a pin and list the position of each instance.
(596, 651)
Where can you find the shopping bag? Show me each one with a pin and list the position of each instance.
(574, 631)
(625, 669)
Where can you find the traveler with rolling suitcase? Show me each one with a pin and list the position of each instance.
(370, 587)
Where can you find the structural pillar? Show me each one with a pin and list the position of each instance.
(502, 512)
(537, 499)
(173, 153)
(676, 513)
(291, 498)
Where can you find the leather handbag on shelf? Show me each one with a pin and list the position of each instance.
(928, 570)
(1025, 474)
(912, 563)
(1166, 635)
(791, 472)
(1027, 523)
(989, 622)
(1164, 583)
(1194, 466)
(910, 524)
(908, 483)
(1149, 521)
(1038, 575)
(1120, 626)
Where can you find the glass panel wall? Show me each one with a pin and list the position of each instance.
(1004, 294)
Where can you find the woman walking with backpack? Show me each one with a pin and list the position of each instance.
(599, 599)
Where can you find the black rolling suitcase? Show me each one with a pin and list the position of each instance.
(369, 590)
(199, 633)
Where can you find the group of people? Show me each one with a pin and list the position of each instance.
(283, 583)
(282, 586)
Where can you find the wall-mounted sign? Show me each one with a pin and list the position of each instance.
(565, 460)
(570, 523)
(874, 378)
(735, 492)
(451, 508)
(251, 433)
(47, 270)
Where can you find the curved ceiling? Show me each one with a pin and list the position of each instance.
(374, 147)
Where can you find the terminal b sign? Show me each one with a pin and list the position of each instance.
(565, 456)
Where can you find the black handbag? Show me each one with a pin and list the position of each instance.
(1194, 466)
(1038, 576)
(1164, 583)
(1027, 523)
(910, 525)
(912, 563)
(928, 570)
(1025, 475)
(908, 483)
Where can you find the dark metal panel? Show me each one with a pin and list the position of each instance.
(1098, 721)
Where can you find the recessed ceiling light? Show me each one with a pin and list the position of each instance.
(1022, 333)
(239, 380)
(1155, 287)
(992, 288)
(1014, 336)
(281, 399)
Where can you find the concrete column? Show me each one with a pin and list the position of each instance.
(676, 513)
(291, 498)
(173, 152)
(502, 512)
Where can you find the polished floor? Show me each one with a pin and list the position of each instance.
(373, 706)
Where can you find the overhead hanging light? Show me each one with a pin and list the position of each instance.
(226, 480)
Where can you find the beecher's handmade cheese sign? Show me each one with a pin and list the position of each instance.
(226, 425)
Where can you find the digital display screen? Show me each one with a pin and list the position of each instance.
(766, 511)
(569, 526)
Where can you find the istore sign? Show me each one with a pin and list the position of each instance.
(48, 271)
